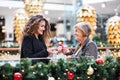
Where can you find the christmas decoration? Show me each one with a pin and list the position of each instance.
(90, 71)
(33, 7)
(51, 78)
(119, 76)
(99, 61)
(61, 46)
(73, 69)
(20, 20)
(88, 14)
(70, 75)
(17, 76)
(113, 33)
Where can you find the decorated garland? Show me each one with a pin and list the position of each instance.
(73, 69)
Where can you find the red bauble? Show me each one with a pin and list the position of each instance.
(17, 76)
(119, 76)
(70, 75)
(99, 61)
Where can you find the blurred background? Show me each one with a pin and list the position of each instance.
(103, 16)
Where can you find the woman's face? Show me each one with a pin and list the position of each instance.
(79, 34)
(41, 27)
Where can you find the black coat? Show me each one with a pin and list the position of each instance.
(34, 48)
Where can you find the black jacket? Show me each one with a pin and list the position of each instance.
(34, 48)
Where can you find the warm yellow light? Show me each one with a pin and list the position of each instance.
(113, 27)
(20, 20)
(33, 7)
(88, 14)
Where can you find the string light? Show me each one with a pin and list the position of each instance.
(103, 5)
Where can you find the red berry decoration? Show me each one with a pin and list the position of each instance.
(70, 75)
(17, 76)
(119, 76)
(99, 61)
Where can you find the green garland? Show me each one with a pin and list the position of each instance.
(108, 70)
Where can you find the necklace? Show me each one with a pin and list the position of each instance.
(77, 51)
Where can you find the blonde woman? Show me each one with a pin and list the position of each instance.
(85, 46)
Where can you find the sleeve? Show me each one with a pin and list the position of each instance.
(91, 50)
(27, 49)
(42, 53)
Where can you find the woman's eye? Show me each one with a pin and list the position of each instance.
(42, 26)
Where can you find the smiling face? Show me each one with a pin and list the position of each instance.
(41, 27)
(79, 34)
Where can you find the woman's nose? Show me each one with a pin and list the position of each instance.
(75, 33)
(43, 28)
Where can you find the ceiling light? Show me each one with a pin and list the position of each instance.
(103, 5)
(46, 12)
(59, 18)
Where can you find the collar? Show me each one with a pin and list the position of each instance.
(86, 41)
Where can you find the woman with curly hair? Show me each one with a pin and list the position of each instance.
(36, 35)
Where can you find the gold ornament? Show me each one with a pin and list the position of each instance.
(88, 14)
(90, 71)
(113, 27)
(20, 20)
(33, 7)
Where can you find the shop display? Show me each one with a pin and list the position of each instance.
(33, 7)
(113, 27)
(87, 13)
(20, 20)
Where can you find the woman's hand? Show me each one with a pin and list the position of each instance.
(64, 50)
(52, 50)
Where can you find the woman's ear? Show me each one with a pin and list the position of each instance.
(84, 35)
